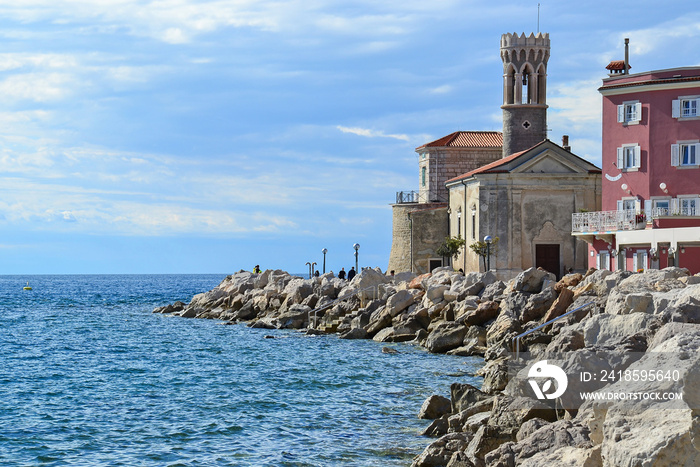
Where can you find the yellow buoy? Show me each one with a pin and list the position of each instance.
(26, 287)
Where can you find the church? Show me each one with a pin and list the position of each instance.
(516, 186)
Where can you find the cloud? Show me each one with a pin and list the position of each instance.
(370, 133)
(444, 89)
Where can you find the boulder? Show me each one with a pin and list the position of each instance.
(538, 304)
(560, 305)
(297, 290)
(531, 280)
(435, 293)
(485, 311)
(435, 407)
(354, 333)
(493, 291)
(440, 451)
(548, 438)
(446, 336)
(465, 396)
(438, 427)
(417, 282)
(399, 302)
(570, 280)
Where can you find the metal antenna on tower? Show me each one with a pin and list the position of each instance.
(538, 17)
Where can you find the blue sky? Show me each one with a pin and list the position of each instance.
(183, 136)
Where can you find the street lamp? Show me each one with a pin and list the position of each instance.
(324, 251)
(488, 239)
(356, 246)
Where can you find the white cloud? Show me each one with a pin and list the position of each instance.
(444, 89)
(370, 133)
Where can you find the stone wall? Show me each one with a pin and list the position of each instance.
(519, 135)
(444, 163)
(418, 230)
(523, 212)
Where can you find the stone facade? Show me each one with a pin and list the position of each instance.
(443, 163)
(525, 201)
(524, 90)
(418, 230)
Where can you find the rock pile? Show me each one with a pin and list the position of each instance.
(656, 313)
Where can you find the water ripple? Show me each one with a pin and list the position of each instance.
(90, 377)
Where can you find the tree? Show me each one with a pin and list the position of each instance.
(450, 247)
(481, 249)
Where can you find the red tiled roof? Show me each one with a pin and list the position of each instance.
(616, 65)
(630, 84)
(468, 139)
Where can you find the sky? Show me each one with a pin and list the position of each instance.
(196, 136)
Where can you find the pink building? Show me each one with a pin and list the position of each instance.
(651, 172)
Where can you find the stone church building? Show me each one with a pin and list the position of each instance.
(516, 185)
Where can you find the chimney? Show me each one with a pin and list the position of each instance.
(565, 143)
(627, 55)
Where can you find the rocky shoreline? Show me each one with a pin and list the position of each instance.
(649, 315)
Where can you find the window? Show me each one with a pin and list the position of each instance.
(473, 223)
(688, 206)
(661, 207)
(685, 154)
(422, 176)
(629, 112)
(629, 157)
(629, 205)
(685, 107)
(603, 260)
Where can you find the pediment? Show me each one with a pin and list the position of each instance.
(550, 162)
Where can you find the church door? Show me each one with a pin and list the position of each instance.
(547, 258)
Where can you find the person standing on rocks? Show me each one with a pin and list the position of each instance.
(256, 269)
(351, 273)
(341, 274)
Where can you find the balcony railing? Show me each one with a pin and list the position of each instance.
(677, 211)
(604, 221)
(407, 197)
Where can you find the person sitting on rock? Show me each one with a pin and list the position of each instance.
(341, 274)
(256, 269)
(351, 273)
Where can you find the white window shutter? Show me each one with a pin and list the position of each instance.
(620, 158)
(637, 156)
(646, 261)
(676, 109)
(638, 111)
(637, 206)
(647, 208)
(620, 205)
(634, 262)
(675, 155)
(674, 206)
(621, 113)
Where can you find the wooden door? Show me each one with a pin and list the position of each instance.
(547, 258)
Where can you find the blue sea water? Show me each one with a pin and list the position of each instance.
(90, 377)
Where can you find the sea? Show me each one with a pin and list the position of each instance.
(89, 376)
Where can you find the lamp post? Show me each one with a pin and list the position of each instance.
(487, 239)
(356, 246)
(324, 251)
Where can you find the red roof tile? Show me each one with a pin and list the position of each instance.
(616, 65)
(468, 139)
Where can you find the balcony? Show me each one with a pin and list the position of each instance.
(409, 197)
(607, 221)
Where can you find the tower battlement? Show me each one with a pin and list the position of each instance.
(509, 41)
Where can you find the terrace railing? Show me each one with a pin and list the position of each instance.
(408, 197)
(603, 221)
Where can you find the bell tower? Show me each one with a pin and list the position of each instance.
(524, 90)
